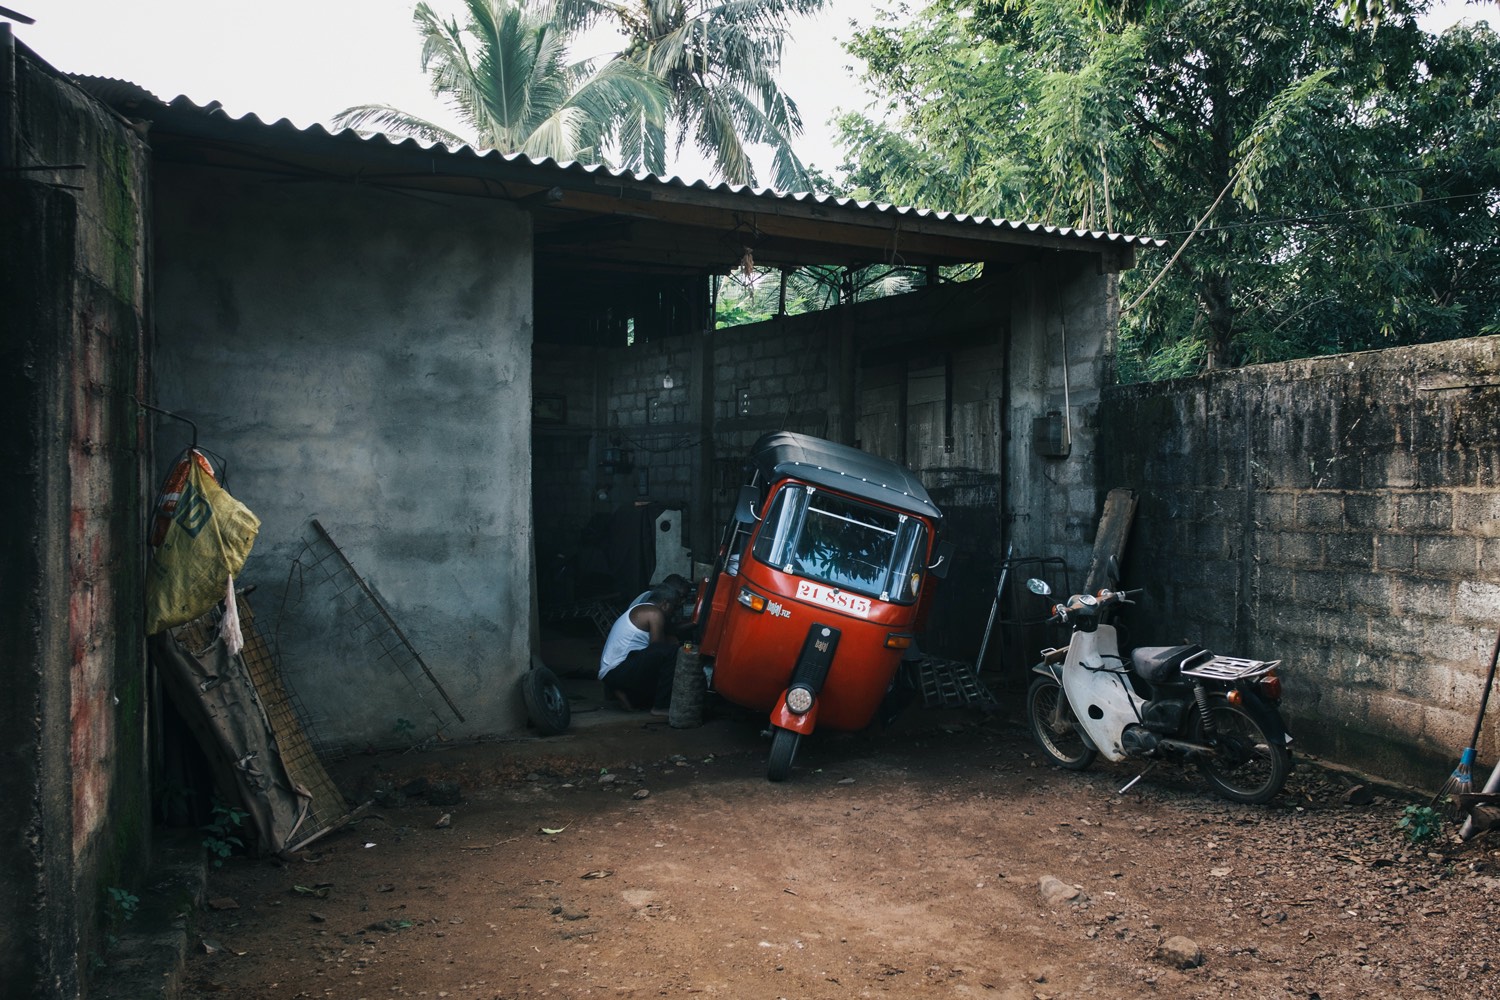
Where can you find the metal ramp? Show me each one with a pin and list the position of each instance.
(602, 611)
(953, 684)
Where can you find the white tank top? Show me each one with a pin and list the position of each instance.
(623, 639)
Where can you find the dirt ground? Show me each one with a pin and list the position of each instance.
(628, 859)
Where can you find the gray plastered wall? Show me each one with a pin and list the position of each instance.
(364, 359)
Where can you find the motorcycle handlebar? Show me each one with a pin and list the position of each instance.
(1103, 599)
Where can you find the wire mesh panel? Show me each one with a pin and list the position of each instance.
(295, 743)
(370, 622)
(298, 744)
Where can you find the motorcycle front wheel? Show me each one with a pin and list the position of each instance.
(1246, 765)
(783, 752)
(1054, 728)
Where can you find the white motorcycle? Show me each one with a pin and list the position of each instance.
(1219, 712)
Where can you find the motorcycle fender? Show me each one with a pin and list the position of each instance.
(1265, 713)
(811, 671)
(784, 718)
(1052, 670)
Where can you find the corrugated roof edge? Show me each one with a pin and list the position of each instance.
(122, 91)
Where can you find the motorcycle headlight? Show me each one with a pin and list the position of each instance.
(799, 700)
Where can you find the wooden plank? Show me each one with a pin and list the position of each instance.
(1114, 532)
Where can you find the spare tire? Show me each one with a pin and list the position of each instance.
(546, 705)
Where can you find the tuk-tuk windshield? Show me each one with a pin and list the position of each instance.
(844, 543)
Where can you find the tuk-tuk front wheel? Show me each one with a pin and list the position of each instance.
(783, 751)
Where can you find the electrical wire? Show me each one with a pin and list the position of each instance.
(1290, 220)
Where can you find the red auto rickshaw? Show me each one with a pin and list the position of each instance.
(826, 571)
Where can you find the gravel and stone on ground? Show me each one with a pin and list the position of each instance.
(942, 857)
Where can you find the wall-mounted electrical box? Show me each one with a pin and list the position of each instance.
(1050, 437)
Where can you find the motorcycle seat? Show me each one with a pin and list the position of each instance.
(1161, 664)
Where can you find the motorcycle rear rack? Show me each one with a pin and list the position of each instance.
(1226, 668)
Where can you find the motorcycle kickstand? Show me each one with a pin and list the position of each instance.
(1131, 783)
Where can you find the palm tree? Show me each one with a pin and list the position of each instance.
(718, 60)
(507, 76)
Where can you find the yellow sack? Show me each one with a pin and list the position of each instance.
(207, 542)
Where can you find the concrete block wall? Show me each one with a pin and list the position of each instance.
(767, 377)
(654, 421)
(1341, 513)
(74, 765)
(773, 376)
(691, 436)
(564, 463)
(1063, 323)
(785, 374)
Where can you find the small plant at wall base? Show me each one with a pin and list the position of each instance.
(405, 728)
(221, 840)
(1420, 823)
(121, 906)
(124, 903)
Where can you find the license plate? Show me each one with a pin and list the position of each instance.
(832, 597)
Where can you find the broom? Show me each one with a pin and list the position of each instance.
(1461, 781)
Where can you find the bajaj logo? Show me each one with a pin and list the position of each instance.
(820, 646)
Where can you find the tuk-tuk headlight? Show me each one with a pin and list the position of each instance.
(752, 600)
(799, 699)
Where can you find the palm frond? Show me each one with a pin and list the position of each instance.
(577, 15)
(385, 119)
(788, 173)
(717, 136)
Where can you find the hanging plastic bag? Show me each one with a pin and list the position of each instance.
(206, 543)
(229, 625)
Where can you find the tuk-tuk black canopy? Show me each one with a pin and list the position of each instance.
(840, 467)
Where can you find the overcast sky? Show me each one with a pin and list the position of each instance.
(306, 60)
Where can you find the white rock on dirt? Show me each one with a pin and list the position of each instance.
(1056, 892)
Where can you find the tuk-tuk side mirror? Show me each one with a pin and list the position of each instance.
(1038, 587)
(744, 507)
(943, 560)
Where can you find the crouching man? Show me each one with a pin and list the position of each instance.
(640, 653)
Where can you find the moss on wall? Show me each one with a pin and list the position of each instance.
(78, 304)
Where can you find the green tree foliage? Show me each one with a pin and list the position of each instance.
(718, 60)
(505, 72)
(1331, 186)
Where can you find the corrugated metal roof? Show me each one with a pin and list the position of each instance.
(135, 100)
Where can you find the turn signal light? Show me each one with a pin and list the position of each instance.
(898, 640)
(1234, 697)
(752, 600)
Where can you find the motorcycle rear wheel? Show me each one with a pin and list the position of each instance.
(1247, 765)
(1054, 728)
